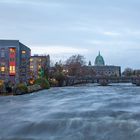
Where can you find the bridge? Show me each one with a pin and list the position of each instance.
(101, 80)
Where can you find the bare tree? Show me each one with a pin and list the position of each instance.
(75, 64)
(136, 73)
(128, 72)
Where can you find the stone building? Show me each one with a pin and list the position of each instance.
(100, 69)
(14, 61)
(38, 63)
(108, 70)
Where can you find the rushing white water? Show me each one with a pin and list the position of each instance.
(86, 112)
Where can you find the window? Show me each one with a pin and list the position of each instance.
(2, 63)
(12, 59)
(23, 52)
(31, 67)
(12, 51)
(31, 59)
(23, 60)
(23, 70)
(12, 70)
(3, 69)
(2, 52)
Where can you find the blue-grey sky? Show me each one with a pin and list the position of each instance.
(65, 27)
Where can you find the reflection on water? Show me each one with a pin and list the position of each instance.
(86, 112)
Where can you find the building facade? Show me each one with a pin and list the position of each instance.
(38, 63)
(111, 71)
(14, 61)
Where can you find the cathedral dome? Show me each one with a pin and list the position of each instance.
(99, 61)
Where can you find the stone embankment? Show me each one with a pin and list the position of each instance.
(30, 89)
(34, 88)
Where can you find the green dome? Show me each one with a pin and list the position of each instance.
(99, 61)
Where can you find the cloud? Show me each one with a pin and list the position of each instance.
(96, 42)
(57, 50)
(34, 3)
(83, 27)
(108, 33)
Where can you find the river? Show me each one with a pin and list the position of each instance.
(87, 112)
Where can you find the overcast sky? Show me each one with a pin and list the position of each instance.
(65, 27)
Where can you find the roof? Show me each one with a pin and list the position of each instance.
(99, 61)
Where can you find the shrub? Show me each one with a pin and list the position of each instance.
(60, 77)
(43, 83)
(1, 87)
(53, 82)
(8, 87)
(21, 89)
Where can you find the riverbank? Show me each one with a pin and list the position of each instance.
(21, 90)
(37, 88)
(6, 94)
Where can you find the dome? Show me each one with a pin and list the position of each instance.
(99, 61)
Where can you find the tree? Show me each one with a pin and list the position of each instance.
(43, 82)
(59, 66)
(76, 59)
(60, 77)
(128, 72)
(74, 64)
(57, 75)
(41, 73)
(136, 73)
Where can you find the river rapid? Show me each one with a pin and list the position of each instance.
(87, 112)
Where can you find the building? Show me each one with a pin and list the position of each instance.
(37, 63)
(100, 69)
(14, 61)
(99, 61)
(108, 70)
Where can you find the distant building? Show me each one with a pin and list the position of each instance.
(89, 64)
(114, 71)
(14, 61)
(38, 62)
(99, 61)
(100, 69)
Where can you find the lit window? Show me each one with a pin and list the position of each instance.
(2, 69)
(39, 66)
(31, 67)
(12, 70)
(31, 59)
(24, 52)
(12, 50)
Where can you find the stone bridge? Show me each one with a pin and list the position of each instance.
(102, 80)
